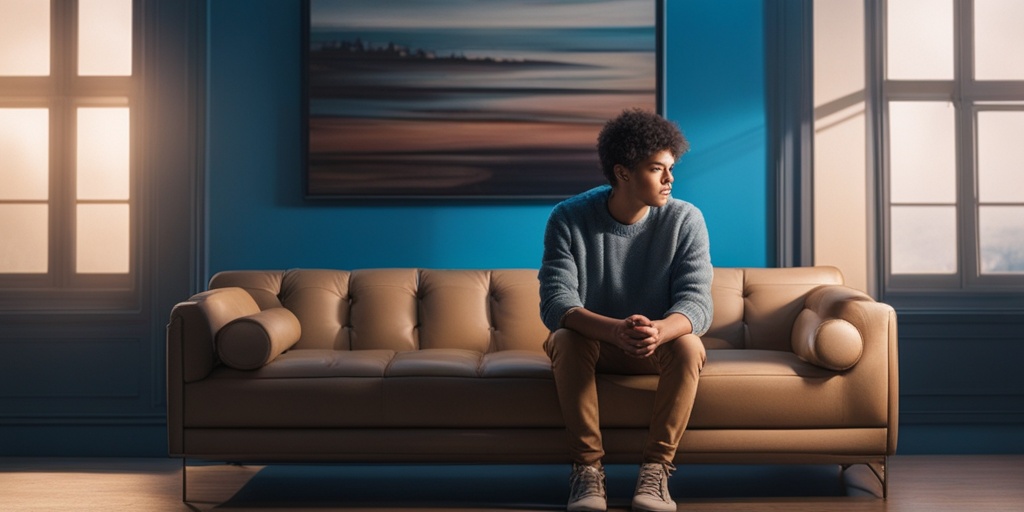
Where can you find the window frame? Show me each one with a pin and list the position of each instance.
(62, 92)
(968, 288)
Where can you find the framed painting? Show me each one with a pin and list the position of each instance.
(497, 99)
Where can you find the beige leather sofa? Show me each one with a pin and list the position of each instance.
(418, 365)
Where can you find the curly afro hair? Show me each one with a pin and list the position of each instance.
(634, 136)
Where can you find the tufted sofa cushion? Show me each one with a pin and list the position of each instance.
(479, 310)
(756, 308)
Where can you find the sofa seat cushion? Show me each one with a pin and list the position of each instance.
(312, 364)
(381, 388)
(516, 363)
(748, 389)
(438, 362)
(442, 362)
(455, 388)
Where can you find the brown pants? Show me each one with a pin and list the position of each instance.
(575, 361)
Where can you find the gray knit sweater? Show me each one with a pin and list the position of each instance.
(657, 266)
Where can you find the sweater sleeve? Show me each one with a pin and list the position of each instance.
(559, 277)
(692, 273)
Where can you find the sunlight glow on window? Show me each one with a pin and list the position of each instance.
(1001, 231)
(24, 153)
(24, 38)
(102, 244)
(1001, 181)
(105, 37)
(924, 240)
(66, 196)
(103, 153)
(922, 157)
(24, 238)
(998, 39)
(1000, 156)
(920, 39)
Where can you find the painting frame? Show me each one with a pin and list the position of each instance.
(386, 117)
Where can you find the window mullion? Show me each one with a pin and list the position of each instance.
(967, 194)
(936, 90)
(64, 64)
(962, 65)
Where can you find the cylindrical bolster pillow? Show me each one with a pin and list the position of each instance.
(250, 342)
(833, 343)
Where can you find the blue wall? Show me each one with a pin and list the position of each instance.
(716, 93)
(258, 219)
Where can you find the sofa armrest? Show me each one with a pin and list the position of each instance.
(834, 313)
(191, 354)
(194, 326)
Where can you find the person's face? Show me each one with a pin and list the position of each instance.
(650, 182)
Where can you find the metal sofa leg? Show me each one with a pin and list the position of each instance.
(184, 480)
(880, 470)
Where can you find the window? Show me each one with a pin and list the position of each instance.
(952, 105)
(68, 207)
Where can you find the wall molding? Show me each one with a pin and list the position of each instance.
(960, 368)
(967, 408)
(70, 420)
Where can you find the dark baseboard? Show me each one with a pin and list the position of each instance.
(83, 441)
(962, 439)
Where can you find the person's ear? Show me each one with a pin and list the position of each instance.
(621, 172)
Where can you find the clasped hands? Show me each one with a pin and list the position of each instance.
(637, 336)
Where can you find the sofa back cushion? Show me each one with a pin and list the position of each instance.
(481, 310)
(318, 298)
(403, 309)
(755, 308)
(492, 310)
(382, 310)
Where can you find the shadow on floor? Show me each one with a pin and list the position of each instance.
(509, 486)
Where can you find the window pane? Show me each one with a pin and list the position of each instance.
(920, 39)
(1001, 233)
(1000, 157)
(24, 238)
(922, 152)
(998, 39)
(1001, 230)
(103, 154)
(24, 38)
(923, 240)
(24, 153)
(103, 238)
(105, 37)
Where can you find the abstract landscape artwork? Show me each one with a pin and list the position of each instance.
(470, 98)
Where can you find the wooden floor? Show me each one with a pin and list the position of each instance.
(917, 483)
